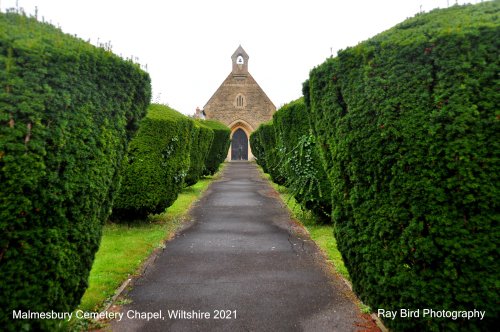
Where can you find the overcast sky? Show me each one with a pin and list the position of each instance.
(187, 44)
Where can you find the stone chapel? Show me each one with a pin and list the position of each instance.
(241, 104)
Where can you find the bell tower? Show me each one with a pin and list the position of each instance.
(240, 62)
(241, 104)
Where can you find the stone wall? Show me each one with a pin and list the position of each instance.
(257, 107)
(240, 102)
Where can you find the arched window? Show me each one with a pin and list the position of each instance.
(240, 101)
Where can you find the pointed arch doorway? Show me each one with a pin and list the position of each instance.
(239, 145)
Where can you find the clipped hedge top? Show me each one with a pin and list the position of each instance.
(299, 103)
(439, 23)
(26, 33)
(266, 124)
(213, 124)
(200, 124)
(162, 112)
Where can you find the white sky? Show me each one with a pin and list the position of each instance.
(187, 44)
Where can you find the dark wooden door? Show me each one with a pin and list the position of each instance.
(239, 145)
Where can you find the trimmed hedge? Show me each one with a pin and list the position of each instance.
(169, 152)
(300, 163)
(264, 148)
(202, 137)
(286, 149)
(67, 110)
(158, 163)
(257, 146)
(219, 148)
(408, 126)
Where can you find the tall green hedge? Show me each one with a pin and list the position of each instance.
(219, 148)
(300, 164)
(202, 137)
(66, 111)
(286, 149)
(408, 125)
(258, 148)
(169, 152)
(265, 149)
(158, 163)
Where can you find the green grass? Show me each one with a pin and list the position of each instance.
(122, 251)
(321, 234)
(125, 247)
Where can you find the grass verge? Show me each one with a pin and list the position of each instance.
(124, 248)
(321, 234)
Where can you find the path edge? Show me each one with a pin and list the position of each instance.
(185, 223)
(297, 222)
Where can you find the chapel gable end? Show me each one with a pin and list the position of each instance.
(240, 102)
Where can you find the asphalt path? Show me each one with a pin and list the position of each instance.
(241, 265)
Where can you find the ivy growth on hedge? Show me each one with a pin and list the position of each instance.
(299, 159)
(286, 149)
(408, 128)
(67, 110)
